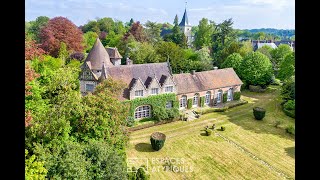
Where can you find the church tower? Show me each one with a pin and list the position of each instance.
(185, 27)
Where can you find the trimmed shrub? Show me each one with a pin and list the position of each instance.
(189, 104)
(142, 173)
(213, 126)
(290, 113)
(130, 121)
(236, 95)
(223, 128)
(202, 101)
(157, 140)
(259, 113)
(290, 129)
(224, 97)
(290, 105)
(208, 132)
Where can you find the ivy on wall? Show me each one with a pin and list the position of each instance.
(202, 101)
(225, 97)
(236, 95)
(189, 105)
(158, 105)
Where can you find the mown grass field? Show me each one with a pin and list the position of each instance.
(212, 157)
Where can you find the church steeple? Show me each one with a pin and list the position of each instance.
(184, 20)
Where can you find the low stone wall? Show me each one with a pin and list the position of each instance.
(258, 88)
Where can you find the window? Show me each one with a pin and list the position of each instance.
(229, 97)
(142, 112)
(169, 89)
(195, 100)
(183, 101)
(219, 94)
(169, 105)
(138, 93)
(207, 100)
(154, 90)
(89, 87)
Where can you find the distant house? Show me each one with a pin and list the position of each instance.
(152, 79)
(260, 44)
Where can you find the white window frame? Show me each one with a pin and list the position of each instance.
(138, 93)
(143, 111)
(86, 87)
(154, 91)
(219, 97)
(169, 104)
(169, 89)
(195, 100)
(183, 101)
(229, 95)
(207, 98)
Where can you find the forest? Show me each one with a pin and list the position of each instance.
(68, 136)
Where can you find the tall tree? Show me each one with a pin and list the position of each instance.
(204, 33)
(256, 69)
(137, 31)
(233, 61)
(287, 67)
(63, 52)
(266, 50)
(36, 26)
(61, 29)
(89, 40)
(278, 55)
(153, 31)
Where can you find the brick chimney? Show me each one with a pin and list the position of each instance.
(128, 61)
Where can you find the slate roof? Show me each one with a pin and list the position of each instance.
(97, 55)
(184, 21)
(129, 74)
(113, 53)
(205, 80)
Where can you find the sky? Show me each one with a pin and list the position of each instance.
(246, 14)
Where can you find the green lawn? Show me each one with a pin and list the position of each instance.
(212, 157)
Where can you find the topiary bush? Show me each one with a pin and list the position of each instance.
(213, 126)
(224, 98)
(157, 140)
(201, 101)
(290, 105)
(223, 128)
(189, 104)
(259, 113)
(208, 132)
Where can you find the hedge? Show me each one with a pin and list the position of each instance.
(202, 101)
(189, 103)
(158, 105)
(210, 110)
(224, 97)
(236, 95)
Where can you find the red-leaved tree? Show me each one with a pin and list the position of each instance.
(137, 31)
(32, 50)
(61, 29)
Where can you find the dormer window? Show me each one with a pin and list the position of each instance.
(154, 90)
(169, 89)
(138, 93)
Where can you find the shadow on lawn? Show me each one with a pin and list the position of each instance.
(291, 151)
(144, 147)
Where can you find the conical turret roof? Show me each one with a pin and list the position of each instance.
(184, 21)
(98, 55)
